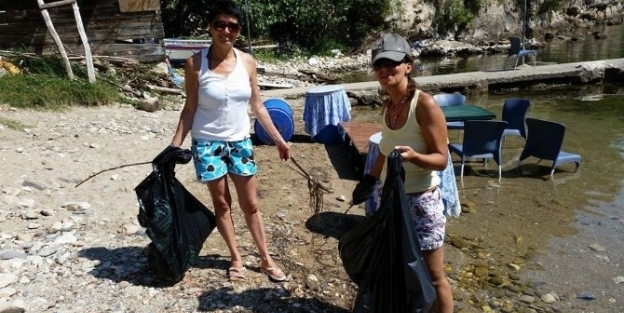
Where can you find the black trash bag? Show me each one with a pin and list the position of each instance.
(176, 222)
(382, 255)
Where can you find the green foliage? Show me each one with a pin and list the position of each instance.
(44, 91)
(456, 13)
(44, 85)
(315, 26)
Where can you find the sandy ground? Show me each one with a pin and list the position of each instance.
(49, 152)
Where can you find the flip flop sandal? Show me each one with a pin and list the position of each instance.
(271, 271)
(237, 273)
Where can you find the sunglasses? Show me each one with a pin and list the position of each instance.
(385, 64)
(221, 25)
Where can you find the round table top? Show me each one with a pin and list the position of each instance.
(375, 138)
(324, 89)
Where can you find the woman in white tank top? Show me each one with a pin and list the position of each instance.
(414, 124)
(220, 84)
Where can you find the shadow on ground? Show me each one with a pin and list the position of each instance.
(130, 264)
(263, 300)
(333, 224)
(122, 264)
(341, 159)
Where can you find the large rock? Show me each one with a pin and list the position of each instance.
(149, 104)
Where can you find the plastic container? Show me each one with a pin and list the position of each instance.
(282, 116)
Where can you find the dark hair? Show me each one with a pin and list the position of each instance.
(226, 7)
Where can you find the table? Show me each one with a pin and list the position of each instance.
(460, 113)
(325, 107)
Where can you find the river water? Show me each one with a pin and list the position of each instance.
(568, 231)
(555, 51)
(567, 234)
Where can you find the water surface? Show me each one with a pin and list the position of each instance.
(547, 226)
(587, 48)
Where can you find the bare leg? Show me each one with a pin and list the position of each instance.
(435, 264)
(246, 187)
(222, 202)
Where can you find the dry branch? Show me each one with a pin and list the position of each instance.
(110, 169)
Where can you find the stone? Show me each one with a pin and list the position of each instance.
(548, 298)
(597, 248)
(12, 254)
(76, 207)
(13, 307)
(47, 212)
(7, 279)
(41, 186)
(148, 105)
(47, 251)
(7, 292)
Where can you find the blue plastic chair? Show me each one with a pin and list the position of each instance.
(482, 139)
(514, 113)
(449, 99)
(517, 50)
(544, 141)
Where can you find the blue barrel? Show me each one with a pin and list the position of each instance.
(282, 116)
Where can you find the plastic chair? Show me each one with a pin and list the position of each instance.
(449, 99)
(482, 139)
(514, 113)
(517, 50)
(544, 141)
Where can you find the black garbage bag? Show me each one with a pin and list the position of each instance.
(176, 222)
(382, 255)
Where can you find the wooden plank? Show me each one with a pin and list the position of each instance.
(359, 134)
(57, 40)
(56, 4)
(85, 42)
(138, 5)
(103, 22)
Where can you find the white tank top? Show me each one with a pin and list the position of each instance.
(417, 179)
(222, 103)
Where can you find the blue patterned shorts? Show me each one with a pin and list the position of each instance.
(214, 159)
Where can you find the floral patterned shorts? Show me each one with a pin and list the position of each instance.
(428, 214)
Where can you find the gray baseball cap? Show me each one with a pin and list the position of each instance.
(392, 47)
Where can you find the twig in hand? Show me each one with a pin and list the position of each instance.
(110, 169)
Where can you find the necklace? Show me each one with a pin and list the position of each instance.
(396, 111)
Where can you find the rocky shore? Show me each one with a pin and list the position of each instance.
(67, 249)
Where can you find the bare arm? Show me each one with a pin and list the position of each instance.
(433, 126)
(191, 69)
(375, 171)
(261, 112)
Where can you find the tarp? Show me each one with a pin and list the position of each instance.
(382, 255)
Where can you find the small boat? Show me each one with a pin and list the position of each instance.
(178, 50)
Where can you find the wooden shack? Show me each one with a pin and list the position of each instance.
(123, 28)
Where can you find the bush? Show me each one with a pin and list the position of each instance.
(315, 26)
(456, 13)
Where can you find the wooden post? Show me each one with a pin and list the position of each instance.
(85, 43)
(55, 36)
